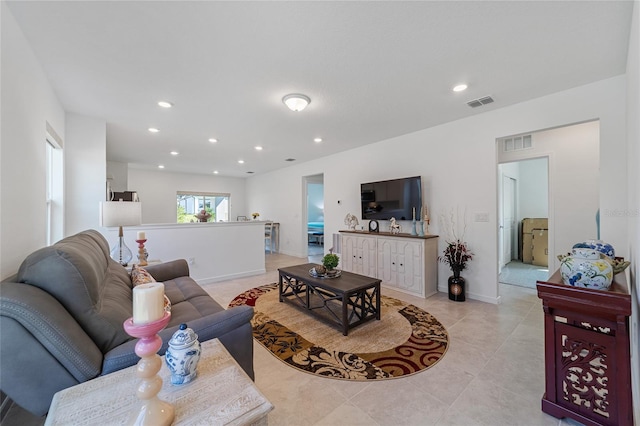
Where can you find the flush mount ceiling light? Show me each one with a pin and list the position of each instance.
(160, 166)
(174, 153)
(258, 148)
(153, 130)
(317, 140)
(460, 88)
(296, 101)
(165, 104)
(215, 172)
(240, 161)
(213, 140)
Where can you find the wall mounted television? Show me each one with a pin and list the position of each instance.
(391, 198)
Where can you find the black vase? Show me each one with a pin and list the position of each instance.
(456, 287)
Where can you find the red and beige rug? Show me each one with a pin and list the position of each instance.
(406, 339)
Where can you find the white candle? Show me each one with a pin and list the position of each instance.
(142, 235)
(148, 303)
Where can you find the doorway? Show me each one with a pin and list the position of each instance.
(556, 174)
(314, 229)
(523, 229)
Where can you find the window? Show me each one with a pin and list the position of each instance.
(190, 204)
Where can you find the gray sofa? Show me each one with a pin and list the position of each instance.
(61, 319)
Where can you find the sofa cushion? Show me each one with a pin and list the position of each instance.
(188, 300)
(94, 288)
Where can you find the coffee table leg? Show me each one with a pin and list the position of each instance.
(377, 288)
(280, 288)
(345, 321)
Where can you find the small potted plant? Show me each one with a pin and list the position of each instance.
(330, 261)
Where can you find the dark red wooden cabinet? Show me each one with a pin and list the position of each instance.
(587, 352)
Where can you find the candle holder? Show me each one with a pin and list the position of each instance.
(427, 221)
(153, 411)
(142, 253)
(421, 229)
(413, 228)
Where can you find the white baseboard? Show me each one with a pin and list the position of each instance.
(210, 280)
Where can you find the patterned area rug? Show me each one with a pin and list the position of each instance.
(406, 340)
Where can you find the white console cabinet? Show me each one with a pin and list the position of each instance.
(403, 262)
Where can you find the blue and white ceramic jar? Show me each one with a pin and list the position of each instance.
(588, 268)
(183, 355)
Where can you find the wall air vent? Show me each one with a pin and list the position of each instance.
(516, 143)
(480, 101)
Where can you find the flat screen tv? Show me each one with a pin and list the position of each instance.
(391, 198)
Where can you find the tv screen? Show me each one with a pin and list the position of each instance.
(391, 198)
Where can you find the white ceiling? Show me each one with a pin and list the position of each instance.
(373, 70)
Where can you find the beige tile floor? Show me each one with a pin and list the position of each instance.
(492, 373)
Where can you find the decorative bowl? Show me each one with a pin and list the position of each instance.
(587, 268)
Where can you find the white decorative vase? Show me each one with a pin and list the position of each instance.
(587, 268)
(183, 355)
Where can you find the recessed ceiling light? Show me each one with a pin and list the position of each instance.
(153, 130)
(296, 101)
(165, 104)
(317, 140)
(174, 153)
(161, 166)
(213, 140)
(215, 172)
(460, 88)
(258, 148)
(240, 161)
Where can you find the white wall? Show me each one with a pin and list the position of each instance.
(464, 176)
(633, 213)
(28, 103)
(157, 191)
(119, 175)
(533, 188)
(85, 171)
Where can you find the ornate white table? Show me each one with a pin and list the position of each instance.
(221, 394)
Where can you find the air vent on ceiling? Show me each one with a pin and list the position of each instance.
(516, 143)
(250, 173)
(480, 101)
(290, 159)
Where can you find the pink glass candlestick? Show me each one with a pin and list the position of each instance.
(142, 256)
(154, 411)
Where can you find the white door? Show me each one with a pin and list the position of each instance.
(508, 218)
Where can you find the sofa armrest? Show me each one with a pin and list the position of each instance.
(168, 270)
(42, 348)
(208, 327)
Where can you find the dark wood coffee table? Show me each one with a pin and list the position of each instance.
(355, 297)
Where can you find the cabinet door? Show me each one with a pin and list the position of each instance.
(367, 256)
(409, 266)
(386, 256)
(349, 253)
